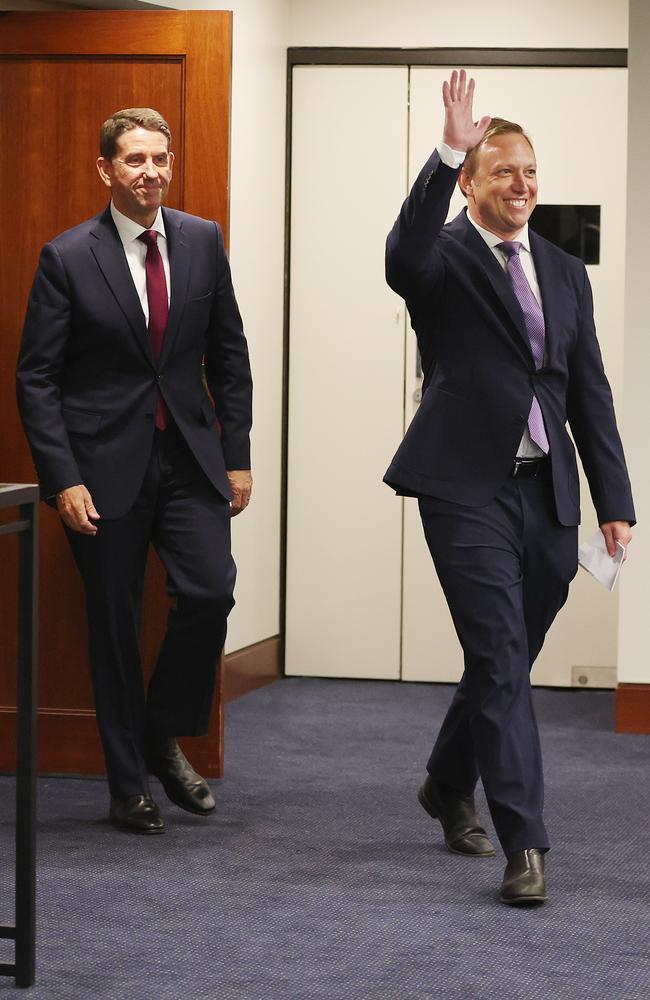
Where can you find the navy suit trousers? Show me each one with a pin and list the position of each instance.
(505, 571)
(188, 523)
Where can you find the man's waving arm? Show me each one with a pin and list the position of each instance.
(411, 252)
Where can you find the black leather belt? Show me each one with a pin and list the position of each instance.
(527, 468)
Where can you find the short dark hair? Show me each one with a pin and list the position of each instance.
(498, 126)
(124, 121)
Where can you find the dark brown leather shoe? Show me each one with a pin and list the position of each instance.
(183, 786)
(457, 815)
(523, 881)
(137, 814)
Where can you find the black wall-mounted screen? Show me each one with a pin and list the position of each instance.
(574, 228)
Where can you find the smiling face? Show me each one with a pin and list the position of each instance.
(139, 174)
(501, 191)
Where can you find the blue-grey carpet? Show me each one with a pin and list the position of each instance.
(321, 878)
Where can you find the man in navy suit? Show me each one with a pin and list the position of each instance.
(505, 329)
(134, 389)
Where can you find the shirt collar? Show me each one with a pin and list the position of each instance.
(493, 240)
(129, 230)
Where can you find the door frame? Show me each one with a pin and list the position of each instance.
(338, 56)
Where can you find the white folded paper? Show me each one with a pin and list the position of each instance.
(593, 556)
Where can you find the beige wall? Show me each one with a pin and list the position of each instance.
(634, 617)
(423, 23)
(513, 23)
(262, 31)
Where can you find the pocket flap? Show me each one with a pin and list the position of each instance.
(81, 421)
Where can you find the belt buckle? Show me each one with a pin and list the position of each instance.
(524, 468)
(532, 467)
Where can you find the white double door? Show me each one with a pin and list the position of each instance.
(362, 597)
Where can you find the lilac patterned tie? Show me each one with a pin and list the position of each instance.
(535, 328)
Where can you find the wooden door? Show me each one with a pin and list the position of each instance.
(61, 76)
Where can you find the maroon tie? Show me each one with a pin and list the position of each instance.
(158, 308)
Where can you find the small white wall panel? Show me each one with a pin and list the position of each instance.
(346, 381)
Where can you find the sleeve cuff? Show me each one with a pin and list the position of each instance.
(453, 158)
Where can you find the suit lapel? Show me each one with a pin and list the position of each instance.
(179, 267)
(109, 253)
(548, 268)
(496, 276)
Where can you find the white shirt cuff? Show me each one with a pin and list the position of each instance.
(453, 158)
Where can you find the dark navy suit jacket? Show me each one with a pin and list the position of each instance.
(87, 381)
(479, 372)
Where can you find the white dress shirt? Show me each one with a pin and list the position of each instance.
(454, 158)
(136, 252)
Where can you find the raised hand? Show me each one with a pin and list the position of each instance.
(461, 131)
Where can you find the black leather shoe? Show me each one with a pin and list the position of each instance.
(457, 815)
(137, 814)
(523, 881)
(183, 786)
